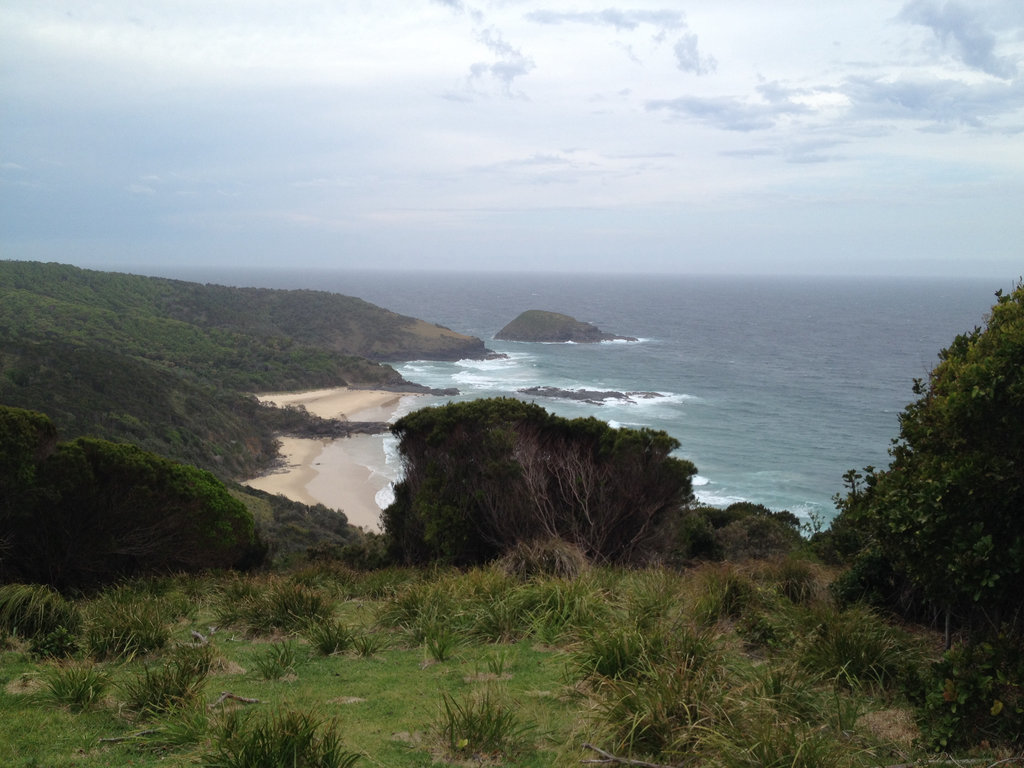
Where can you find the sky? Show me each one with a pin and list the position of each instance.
(720, 136)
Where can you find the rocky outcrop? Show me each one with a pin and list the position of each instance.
(539, 325)
(592, 396)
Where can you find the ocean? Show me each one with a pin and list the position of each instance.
(774, 387)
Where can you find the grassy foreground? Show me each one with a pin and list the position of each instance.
(719, 666)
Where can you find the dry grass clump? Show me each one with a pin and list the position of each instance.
(544, 557)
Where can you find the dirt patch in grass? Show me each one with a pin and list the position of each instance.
(486, 677)
(24, 684)
(893, 725)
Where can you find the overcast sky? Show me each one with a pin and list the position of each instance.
(719, 136)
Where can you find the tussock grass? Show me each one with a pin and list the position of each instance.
(368, 644)
(277, 660)
(34, 610)
(77, 687)
(853, 647)
(329, 638)
(767, 672)
(122, 624)
(544, 558)
(282, 604)
(482, 723)
(288, 737)
(171, 685)
(722, 592)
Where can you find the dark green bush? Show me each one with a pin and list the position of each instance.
(484, 475)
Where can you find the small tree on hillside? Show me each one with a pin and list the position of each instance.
(484, 475)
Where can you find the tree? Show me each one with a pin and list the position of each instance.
(484, 475)
(90, 511)
(948, 513)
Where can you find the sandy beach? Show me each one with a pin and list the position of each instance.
(336, 473)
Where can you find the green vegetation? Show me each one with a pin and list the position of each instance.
(169, 365)
(599, 614)
(940, 532)
(539, 325)
(88, 511)
(485, 475)
(631, 672)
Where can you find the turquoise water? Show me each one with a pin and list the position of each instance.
(774, 387)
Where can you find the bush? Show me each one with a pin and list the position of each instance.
(946, 512)
(89, 511)
(741, 531)
(57, 644)
(484, 475)
(976, 691)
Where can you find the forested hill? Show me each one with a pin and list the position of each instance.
(169, 365)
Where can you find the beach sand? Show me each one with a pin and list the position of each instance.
(335, 473)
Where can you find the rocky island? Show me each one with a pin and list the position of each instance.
(539, 325)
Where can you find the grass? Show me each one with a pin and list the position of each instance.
(175, 684)
(483, 723)
(288, 737)
(277, 660)
(532, 671)
(33, 610)
(77, 687)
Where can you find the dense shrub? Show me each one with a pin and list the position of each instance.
(89, 511)
(741, 531)
(482, 476)
(946, 513)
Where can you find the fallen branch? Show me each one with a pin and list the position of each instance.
(119, 739)
(234, 697)
(608, 757)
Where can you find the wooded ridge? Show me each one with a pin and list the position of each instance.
(170, 365)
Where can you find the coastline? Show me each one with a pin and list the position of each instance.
(336, 473)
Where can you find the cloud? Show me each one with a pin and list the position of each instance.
(511, 62)
(611, 17)
(961, 28)
(728, 113)
(942, 101)
(689, 58)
